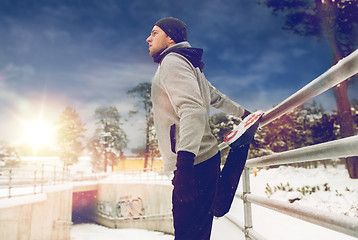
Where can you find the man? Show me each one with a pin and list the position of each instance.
(181, 97)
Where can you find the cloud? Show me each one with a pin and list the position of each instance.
(269, 62)
(115, 76)
(253, 71)
(13, 74)
(7, 97)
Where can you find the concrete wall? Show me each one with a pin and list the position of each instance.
(135, 205)
(48, 216)
(37, 217)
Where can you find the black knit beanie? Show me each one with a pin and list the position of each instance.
(174, 28)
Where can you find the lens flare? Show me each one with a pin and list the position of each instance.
(39, 134)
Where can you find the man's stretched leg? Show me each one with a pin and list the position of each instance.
(193, 220)
(229, 179)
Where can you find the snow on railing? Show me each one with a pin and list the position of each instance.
(346, 147)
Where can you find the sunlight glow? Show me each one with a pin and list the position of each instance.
(39, 134)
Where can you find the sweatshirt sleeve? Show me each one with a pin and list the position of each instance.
(178, 80)
(224, 103)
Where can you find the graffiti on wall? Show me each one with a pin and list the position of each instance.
(131, 208)
(105, 208)
(125, 207)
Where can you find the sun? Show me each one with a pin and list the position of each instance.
(39, 134)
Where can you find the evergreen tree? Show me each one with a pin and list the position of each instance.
(153, 142)
(221, 124)
(9, 155)
(323, 130)
(321, 126)
(143, 93)
(110, 140)
(284, 133)
(70, 132)
(97, 153)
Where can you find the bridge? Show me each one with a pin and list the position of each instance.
(139, 201)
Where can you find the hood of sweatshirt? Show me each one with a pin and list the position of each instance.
(194, 55)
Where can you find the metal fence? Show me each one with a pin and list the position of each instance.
(20, 182)
(346, 147)
(15, 182)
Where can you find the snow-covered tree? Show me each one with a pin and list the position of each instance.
(9, 155)
(110, 139)
(97, 153)
(221, 124)
(305, 125)
(70, 131)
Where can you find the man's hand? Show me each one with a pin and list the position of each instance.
(183, 181)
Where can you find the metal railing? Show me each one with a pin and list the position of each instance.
(346, 147)
(15, 182)
(21, 182)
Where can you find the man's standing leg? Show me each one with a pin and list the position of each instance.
(193, 220)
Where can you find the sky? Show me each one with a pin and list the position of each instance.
(87, 54)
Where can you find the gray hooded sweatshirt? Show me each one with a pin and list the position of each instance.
(181, 97)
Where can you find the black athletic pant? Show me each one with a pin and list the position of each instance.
(216, 191)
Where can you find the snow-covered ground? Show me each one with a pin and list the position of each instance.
(328, 189)
(336, 199)
(92, 231)
(336, 193)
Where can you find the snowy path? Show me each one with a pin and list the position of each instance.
(95, 232)
(222, 229)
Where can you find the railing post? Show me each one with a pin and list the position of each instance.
(42, 178)
(54, 175)
(35, 172)
(247, 204)
(10, 180)
(63, 173)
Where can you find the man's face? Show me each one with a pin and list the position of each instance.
(158, 41)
